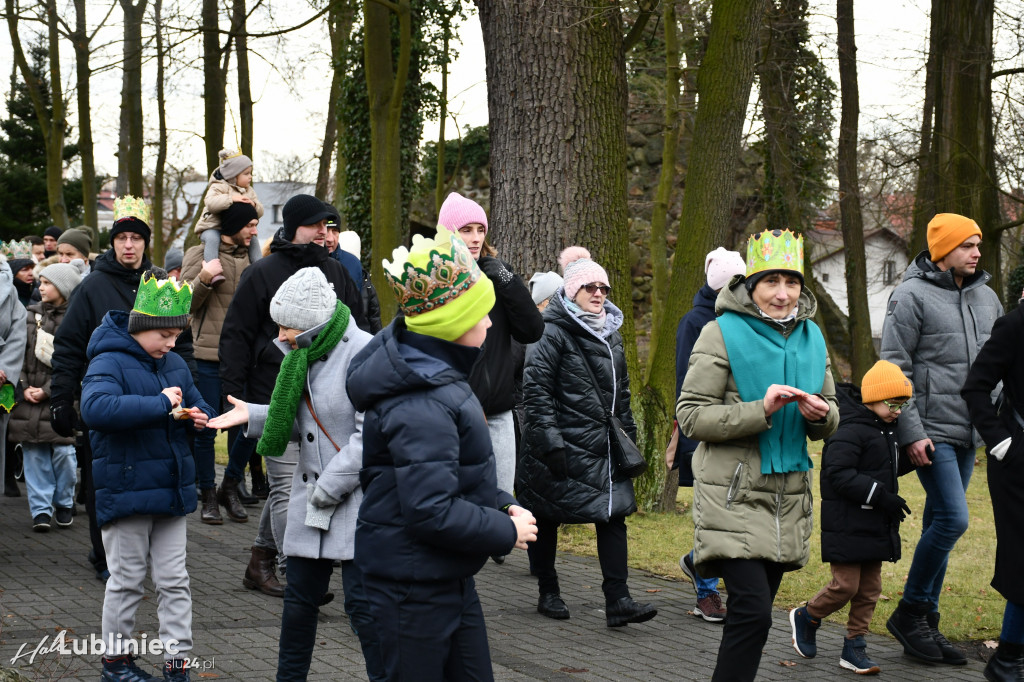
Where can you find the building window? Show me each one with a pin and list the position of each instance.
(888, 272)
(276, 213)
(824, 277)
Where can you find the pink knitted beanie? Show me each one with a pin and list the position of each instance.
(458, 211)
(578, 269)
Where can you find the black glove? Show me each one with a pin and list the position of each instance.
(557, 465)
(63, 418)
(894, 505)
(495, 270)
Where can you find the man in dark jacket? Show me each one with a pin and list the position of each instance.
(938, 319)
(720, 266)
(112, 285)
(250, 362)
(345, 250)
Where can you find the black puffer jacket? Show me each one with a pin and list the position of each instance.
(430, 507)
(563, 411)
(514, 316)
(249, 360)
(110, 286)
(859, 464)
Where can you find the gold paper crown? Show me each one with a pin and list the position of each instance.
(435, 272)
(163, 297)
(131, 207)
(775, 250)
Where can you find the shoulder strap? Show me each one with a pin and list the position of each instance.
(593, 379)
(309, 404)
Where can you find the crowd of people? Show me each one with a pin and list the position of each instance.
(486, 415)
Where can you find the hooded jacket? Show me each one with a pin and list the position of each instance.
(859, 464)
(738, 512)
(565, 411)
(702, 312)
(249, 360)
(30, 422)
(110, 286)
(141, 458)
(431, 504)
(933, 330)
(12, 325)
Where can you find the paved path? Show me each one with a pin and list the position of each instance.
(48, 586)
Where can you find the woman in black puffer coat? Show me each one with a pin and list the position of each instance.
(567, 474)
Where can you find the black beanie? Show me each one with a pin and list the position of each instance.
(53, 231)
(131, 225)
(302, 209)
(751, 280)
(236, 216)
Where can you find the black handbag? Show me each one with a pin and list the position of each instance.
(626, 455)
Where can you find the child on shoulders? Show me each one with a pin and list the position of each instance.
(231, 182)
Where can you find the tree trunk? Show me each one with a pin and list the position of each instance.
(385, 82)
(132, 138)
(158, 241)
(245, 117)
(961, 148)
(723, 82)
(927, 180)
(213, 84)
(339, 26)
(51, 120)
(440, 184)
(85, 143)
(862, 355)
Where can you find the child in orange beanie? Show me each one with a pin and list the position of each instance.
(861, 511)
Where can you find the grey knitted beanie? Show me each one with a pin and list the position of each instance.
(304, 301)
(64, 276)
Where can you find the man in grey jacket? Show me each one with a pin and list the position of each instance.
(938, 319)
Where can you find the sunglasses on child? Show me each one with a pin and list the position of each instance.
(895, 406)
(594, 288)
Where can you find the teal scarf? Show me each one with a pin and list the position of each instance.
(759, 356)
(291, 382)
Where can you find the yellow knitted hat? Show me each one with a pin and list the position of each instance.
(884, 381)
(946, 231)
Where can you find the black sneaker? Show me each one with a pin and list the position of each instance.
(64, 516)
(805, 630)
(689, 570)
(625, 611)
(950, 654)
(552, 606)
(41, 523)
(909, 626)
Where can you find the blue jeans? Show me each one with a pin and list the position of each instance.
(944, 521)
(705, 586)
(238, 456)
(1013, 624)
(209, 388)
(49, 476)
(308, 580)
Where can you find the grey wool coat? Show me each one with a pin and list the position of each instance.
(335, 471)
(933, 331)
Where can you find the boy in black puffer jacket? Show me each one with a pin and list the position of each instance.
(860, 511)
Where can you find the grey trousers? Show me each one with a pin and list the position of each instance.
(503, 441)
(274, 517)
(130, 543)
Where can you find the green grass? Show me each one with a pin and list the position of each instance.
(970, 608)
(220, 448)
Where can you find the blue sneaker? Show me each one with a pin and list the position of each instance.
(805, 630)
(123, 669)
(855, 657)
(176, 670)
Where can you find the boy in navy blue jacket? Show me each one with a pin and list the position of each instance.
(861, 511)
(431, 512)
(134, 399)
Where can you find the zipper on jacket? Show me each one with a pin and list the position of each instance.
(733, 485)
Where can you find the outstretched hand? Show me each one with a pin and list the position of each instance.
(236, 416)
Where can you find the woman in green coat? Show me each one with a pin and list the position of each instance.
(758, 386)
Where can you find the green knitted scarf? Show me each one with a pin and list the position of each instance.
(291, 382)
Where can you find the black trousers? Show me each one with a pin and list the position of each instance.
(612, 553)
(430, 631)
(83, 452)
(752, 585)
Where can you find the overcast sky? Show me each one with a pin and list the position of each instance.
(290, 105)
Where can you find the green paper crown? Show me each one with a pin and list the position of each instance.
(163, 298)
(131, 207)
(436, 271)
(6, 397)
(775, 250)
(13, 249)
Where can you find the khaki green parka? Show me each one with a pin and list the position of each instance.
(739, 513)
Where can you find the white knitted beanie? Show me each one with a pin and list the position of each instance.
(304, 301)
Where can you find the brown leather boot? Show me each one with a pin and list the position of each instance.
(211, 510)
(227, 495)
(260, 575)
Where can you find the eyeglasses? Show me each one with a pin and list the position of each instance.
(894, 406)
(594, 288)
